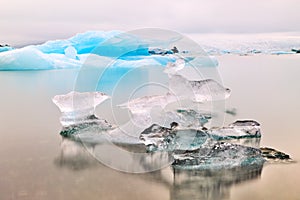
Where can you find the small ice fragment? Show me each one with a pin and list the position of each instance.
(160, 51)
(273, 155)
(71, 52)
(236, 130)
(220, 155)
(231, 111)
(172, 68)
(157, 137)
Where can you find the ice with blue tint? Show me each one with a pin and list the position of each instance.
(198, 149)
(218, 156)
(123, 49)
(82, 42)
(158, 138)
(5, 48)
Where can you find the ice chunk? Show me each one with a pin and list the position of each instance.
(146, 103)
(273, 155)
(158, 138)
(71, 52)
(218, 156)
(199, 91)
(172, 68)
(159, 51)
(188, 118)
(79, 108)
(88, 125)
(236, 130)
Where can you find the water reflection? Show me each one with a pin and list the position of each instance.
(207, 184)
(74, 156)
(182, 184)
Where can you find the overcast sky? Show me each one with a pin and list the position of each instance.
(31, 21)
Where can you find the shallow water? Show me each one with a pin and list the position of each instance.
(36, 163)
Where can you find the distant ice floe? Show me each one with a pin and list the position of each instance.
(127, 50)
(112, 47)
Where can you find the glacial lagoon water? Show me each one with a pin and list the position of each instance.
(37, 163)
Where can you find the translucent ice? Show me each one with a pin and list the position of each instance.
(218, 156)
(199, 91)
(71, 52)
(78, 111)
(142, 107)
(158, 138)
(236, 130)
(146, 103)
(173, 68)
(187, 118)
(30, 58)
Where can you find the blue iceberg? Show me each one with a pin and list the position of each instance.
(114, 48)
(5, 47)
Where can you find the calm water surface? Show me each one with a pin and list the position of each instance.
(36, 163)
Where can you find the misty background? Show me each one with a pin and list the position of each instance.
(36, 21)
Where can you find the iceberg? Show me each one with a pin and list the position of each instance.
(82, 42)
(124, 48)
(30, 58)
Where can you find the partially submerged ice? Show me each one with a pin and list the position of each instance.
(78, 111)
(273, 155)
(218, 156)
(196, 149)
(158, 138)
(188, 118)
(238, 129)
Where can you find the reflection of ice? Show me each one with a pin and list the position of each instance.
(77, 154)
(210, 184)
